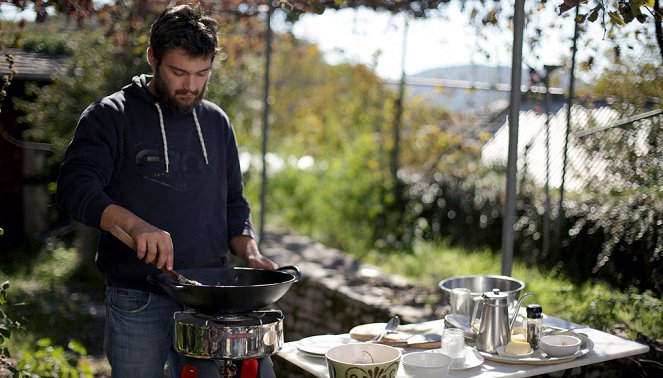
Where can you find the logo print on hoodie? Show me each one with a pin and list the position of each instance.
(187, 169)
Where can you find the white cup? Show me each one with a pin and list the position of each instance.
(453, 345)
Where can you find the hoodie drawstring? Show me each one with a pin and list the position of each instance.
(163, 136)
(200, 136)
(165, 140)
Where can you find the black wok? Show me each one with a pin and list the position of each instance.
(229, 290)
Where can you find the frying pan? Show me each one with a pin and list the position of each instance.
(229, 290)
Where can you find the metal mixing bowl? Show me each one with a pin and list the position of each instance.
(481, 284)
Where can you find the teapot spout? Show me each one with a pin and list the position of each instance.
(515, 313)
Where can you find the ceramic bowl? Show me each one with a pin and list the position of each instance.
(560, 345)
(363, 360)
(426, 365)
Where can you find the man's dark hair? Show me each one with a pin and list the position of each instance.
(184, 26)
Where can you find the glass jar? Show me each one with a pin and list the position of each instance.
(534, 325)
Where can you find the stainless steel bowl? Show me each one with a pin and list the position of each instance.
(480, 284)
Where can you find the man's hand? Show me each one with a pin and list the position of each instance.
(247, 250)
(153, 245)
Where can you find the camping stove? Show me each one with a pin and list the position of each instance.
(233, 345)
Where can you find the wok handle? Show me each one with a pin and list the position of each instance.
(125, 238)
(294, 268)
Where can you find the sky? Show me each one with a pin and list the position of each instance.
(357, 35)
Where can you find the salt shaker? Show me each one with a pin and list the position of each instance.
(534, 325)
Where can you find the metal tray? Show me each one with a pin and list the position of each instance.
(541, 358)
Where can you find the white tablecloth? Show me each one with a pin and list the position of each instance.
(606, 347)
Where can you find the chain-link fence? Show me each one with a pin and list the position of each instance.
(592, 195)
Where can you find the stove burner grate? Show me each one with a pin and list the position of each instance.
(245, 319)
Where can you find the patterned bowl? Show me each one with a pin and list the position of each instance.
(363, 360)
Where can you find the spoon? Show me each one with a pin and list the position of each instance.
(392, 324)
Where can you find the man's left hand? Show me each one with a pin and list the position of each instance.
(246, 249)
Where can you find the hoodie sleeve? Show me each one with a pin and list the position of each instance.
(87, 166)
(239, 213)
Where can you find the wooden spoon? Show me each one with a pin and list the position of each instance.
(125, 238)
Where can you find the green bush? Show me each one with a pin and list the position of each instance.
(49, 44)
(55, 361)
(44, 359)
(337, 201)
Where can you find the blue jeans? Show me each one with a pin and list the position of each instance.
(138, 334)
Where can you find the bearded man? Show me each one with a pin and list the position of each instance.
(161, 163)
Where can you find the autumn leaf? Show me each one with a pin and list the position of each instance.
(595, 13)
(626, 12)
(567, 5)
(616, 18)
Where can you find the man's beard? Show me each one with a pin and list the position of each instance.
(163, 95)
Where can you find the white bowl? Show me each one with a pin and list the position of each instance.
(426, 365)
(560, 345)
(363, 359)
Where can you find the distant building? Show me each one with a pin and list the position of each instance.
(23, 199)
(583, 166)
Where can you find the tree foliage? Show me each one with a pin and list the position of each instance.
(608, 13)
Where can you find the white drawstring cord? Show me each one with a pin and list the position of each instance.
(200, 136)
(163, 136)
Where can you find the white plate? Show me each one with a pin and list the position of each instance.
(319, 345)
(472, 359)
(501, 350)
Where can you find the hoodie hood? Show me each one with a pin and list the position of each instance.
(139, 88)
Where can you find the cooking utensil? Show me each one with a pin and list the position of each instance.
(391, 326)
(125, 238)
(229, 290)
(494, 326)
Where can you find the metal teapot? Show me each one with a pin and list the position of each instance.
(494, 325)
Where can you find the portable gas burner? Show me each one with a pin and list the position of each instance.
(233, 345)
(224, 334)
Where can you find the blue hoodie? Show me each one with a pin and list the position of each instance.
(178, 171)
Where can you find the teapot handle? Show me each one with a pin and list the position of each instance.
(474, 311)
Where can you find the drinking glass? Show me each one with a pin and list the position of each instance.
(460, 302)
(453, 345)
